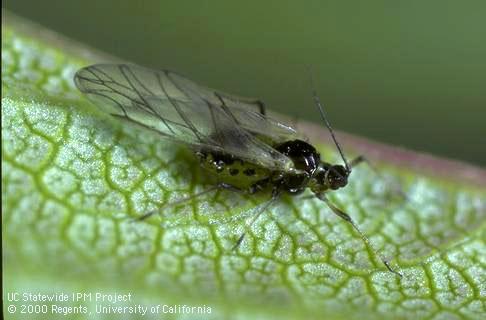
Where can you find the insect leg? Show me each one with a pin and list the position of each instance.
(343, 215)
(229, 187)
(360, 159)
(261, 106)
(395, 185)
(259, 103)
(189, 198)
(275, 195)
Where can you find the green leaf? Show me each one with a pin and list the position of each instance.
(73, 180)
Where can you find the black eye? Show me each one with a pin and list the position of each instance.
(338, 177)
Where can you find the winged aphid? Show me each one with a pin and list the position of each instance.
(232, 136)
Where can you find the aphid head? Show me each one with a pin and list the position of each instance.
(336, 177)
(329, 177)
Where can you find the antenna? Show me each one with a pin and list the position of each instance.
(328, 125)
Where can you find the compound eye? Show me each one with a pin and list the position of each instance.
(338, 177)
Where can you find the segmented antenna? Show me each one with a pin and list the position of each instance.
(328, 125)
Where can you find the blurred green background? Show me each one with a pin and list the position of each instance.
(407, 73)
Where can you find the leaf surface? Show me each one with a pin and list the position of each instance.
(74, 180)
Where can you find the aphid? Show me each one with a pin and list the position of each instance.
(232, 136)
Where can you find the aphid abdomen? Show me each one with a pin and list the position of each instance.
(231, 170)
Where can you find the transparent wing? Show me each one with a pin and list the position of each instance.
(247, 112)
(181, 110)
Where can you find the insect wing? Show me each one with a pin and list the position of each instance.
(262, 125)
(246, 112)
(177, 108)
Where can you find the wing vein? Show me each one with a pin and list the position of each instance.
(191, 114)
(196, 133)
